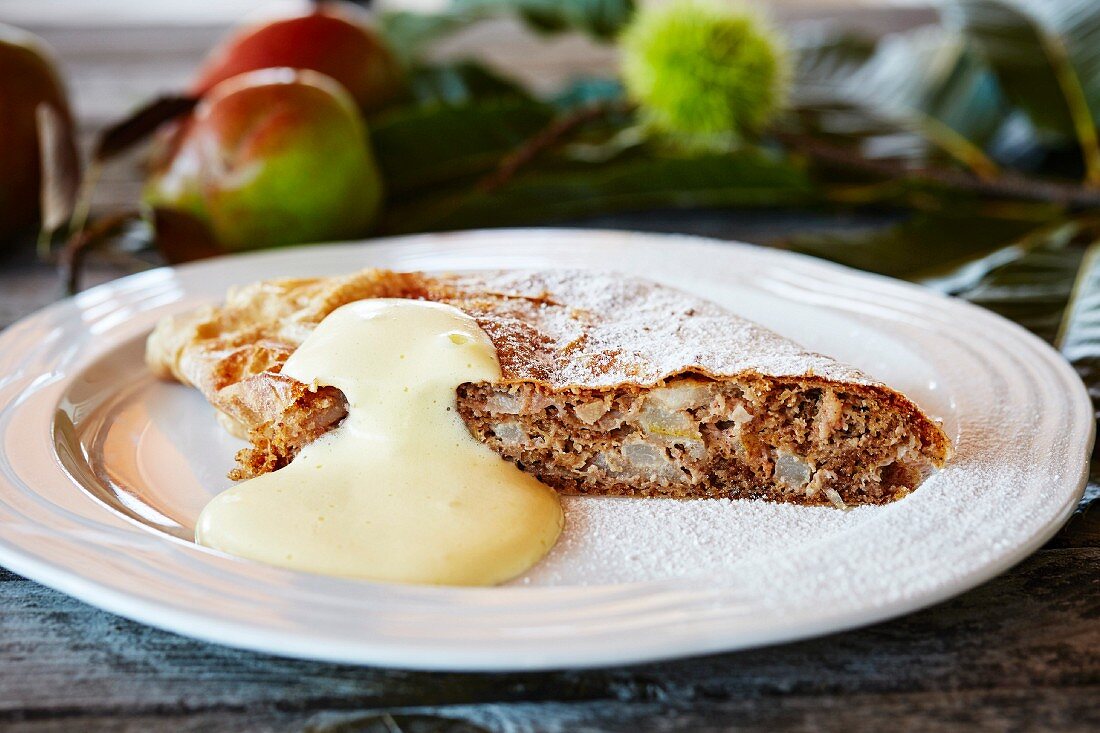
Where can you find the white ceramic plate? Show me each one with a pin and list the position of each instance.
(103, 471)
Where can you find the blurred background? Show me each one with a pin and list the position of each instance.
(951, 143)
(117, 54)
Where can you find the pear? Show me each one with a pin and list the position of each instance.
(334, 38)
(28, 80)
(270, 157)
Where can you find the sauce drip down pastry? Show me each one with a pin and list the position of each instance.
(400, 491)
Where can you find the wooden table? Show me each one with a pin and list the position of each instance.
(1018, 653)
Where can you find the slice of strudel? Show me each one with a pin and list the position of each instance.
(612, 386)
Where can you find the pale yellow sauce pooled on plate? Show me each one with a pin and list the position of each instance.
(400, 491)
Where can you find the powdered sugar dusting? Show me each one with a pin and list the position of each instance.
(598, 329)
(791, 557)
(635, 540)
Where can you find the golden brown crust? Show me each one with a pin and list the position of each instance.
(558, 329)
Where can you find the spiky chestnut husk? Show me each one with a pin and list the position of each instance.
(702, 72)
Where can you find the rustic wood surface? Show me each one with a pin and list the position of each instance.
(1018, 653)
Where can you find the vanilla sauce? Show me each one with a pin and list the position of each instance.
(400, 491)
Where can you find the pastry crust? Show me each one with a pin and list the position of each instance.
(571, 337)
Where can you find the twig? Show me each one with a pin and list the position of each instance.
(545, 139)
(71, 260)
(83, 204)
(116, 139)
(1007, 185)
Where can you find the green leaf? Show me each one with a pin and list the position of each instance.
(411, 33)
(1029, 282)
(924, 82)
(1045, 55)
(926, 246)
(824, 58)
(459, 83)
(1079, 337)
(599, 18)
(588, 91)
(1079, 341)
(429, 146)
(1018, 267)
(749, 178)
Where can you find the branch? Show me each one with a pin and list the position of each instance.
(547, 138)
(1007, 185)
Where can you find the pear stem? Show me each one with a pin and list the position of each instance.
(140, 124)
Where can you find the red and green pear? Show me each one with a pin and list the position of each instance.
(268, 158)
(334, 39)
(28, 80)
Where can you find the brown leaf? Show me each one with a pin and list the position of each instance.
(60, 180)
(141, 123)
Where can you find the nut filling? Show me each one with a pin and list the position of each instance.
(736, 438)
(751, 438)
